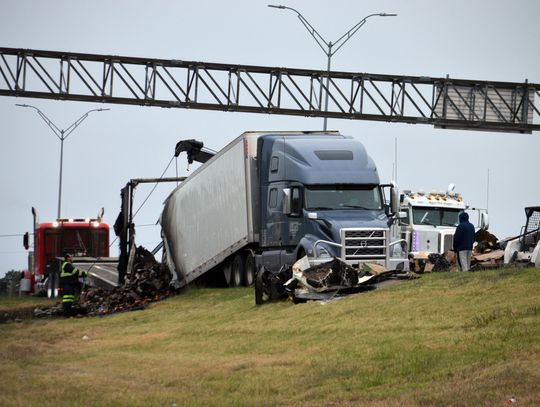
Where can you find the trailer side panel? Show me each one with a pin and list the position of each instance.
(206, 218)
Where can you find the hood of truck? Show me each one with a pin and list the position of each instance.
(336, 220)
(429, 239)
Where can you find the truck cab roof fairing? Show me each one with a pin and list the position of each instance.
(318, 159)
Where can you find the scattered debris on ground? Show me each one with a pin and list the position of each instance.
(147, 282)
(487, 254)
(52, 311)
(489, 260)
(433, 262)
(322, 282)
(441, 262)
(486, 241)
(16, 315)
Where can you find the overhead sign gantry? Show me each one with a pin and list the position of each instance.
(442, 102)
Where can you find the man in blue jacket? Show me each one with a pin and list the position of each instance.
(463, 242)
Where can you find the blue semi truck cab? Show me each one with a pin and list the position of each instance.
(320, 196)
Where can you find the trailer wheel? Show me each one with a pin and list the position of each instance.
(249, 270)
(226, 268)
(237, 271)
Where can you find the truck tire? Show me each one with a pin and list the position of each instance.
(268, 287)
(237, 271)
(226, 268)
(261, 290)
(250, 269)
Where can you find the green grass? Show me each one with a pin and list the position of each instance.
(447, 339)
(16, 302)
(17, 308)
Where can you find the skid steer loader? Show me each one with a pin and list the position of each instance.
(525, 248)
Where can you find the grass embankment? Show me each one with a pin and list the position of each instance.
(14, 308)
(448, 339)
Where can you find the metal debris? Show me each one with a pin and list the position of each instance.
(440, 262)
(333, 275)
(331, 279)
(47, 312)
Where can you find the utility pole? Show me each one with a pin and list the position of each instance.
(328, 46)
(62, 134)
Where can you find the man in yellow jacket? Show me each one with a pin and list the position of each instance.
(69, 282)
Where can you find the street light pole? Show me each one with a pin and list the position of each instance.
(62, 134)
(328, 46)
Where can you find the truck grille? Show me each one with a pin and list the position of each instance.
(448, 243)
(363, 245)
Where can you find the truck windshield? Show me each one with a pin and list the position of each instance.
(77, 241)
(436, 216)
(352, 197)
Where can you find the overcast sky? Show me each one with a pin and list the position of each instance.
(481, 39)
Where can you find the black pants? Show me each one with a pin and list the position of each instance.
(68, 298)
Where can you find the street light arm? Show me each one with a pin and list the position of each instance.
(316, 36)
(347, 36)
(62, 135)
(57, 132)
(76, 123)
(325, 45)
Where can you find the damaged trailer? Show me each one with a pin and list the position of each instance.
(268, 199)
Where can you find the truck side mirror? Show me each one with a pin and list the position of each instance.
(26, 241)
(484, 220)
(394, 200)
(287, 201)
(392, 207)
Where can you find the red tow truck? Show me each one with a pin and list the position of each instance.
(52, 240)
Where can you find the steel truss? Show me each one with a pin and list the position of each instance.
(442, 102)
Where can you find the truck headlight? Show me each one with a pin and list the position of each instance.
(322, 252)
